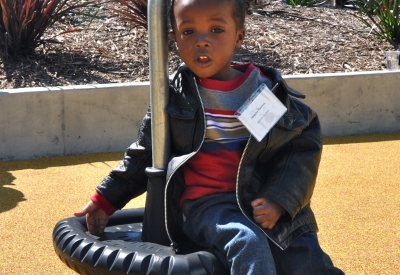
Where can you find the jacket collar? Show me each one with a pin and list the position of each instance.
(276, 78)
(269, 72)
(293, 118)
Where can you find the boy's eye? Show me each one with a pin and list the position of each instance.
(187, 32)
(217, 30)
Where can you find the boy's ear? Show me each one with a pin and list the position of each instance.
(240, 37)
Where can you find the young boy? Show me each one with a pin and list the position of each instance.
(249, 199)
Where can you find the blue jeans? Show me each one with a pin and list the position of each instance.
(215, 221)
(304, 257)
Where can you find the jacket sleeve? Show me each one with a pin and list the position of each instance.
(128, 179)
(292, 170)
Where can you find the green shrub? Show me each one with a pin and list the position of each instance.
(382, 17)
(23, 22)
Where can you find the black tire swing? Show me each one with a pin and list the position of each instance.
(120, 250)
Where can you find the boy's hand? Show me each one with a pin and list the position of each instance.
(96, 218)
(266, 212)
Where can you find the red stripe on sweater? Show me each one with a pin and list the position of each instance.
(210, 172)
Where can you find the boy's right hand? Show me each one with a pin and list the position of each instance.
(96, 218)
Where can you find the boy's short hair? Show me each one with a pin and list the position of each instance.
(239, 12)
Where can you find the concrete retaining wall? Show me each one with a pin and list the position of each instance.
(56, 121)
(70, 120)
(353, 103)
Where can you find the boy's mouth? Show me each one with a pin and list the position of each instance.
(203, 60)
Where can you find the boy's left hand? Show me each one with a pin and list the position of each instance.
(266, 212)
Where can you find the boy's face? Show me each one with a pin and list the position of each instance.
(206, 36)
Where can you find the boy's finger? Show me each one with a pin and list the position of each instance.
(92, 229)
(268, 225)
(257, 202)
(80, 213)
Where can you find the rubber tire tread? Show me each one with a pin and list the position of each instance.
(90, 255)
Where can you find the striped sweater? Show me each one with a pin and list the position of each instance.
(214, 168)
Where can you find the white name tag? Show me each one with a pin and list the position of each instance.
(261, 112)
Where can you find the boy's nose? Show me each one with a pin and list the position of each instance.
(202, 41)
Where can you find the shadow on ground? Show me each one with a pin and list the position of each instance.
(10, 197)
(361, 139)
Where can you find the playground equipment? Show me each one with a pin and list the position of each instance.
(135, 240)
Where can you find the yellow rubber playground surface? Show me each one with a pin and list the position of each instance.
(356, 201)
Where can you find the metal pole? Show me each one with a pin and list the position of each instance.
(158, 62)
(154, 227)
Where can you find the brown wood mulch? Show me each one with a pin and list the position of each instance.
(295, 40)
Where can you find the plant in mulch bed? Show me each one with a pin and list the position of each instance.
(133, 11)
(381, 17)
(23, 22)
(307, 3)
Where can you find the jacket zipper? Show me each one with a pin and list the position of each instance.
(173, 244)
(250, 140)
(237, 195)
